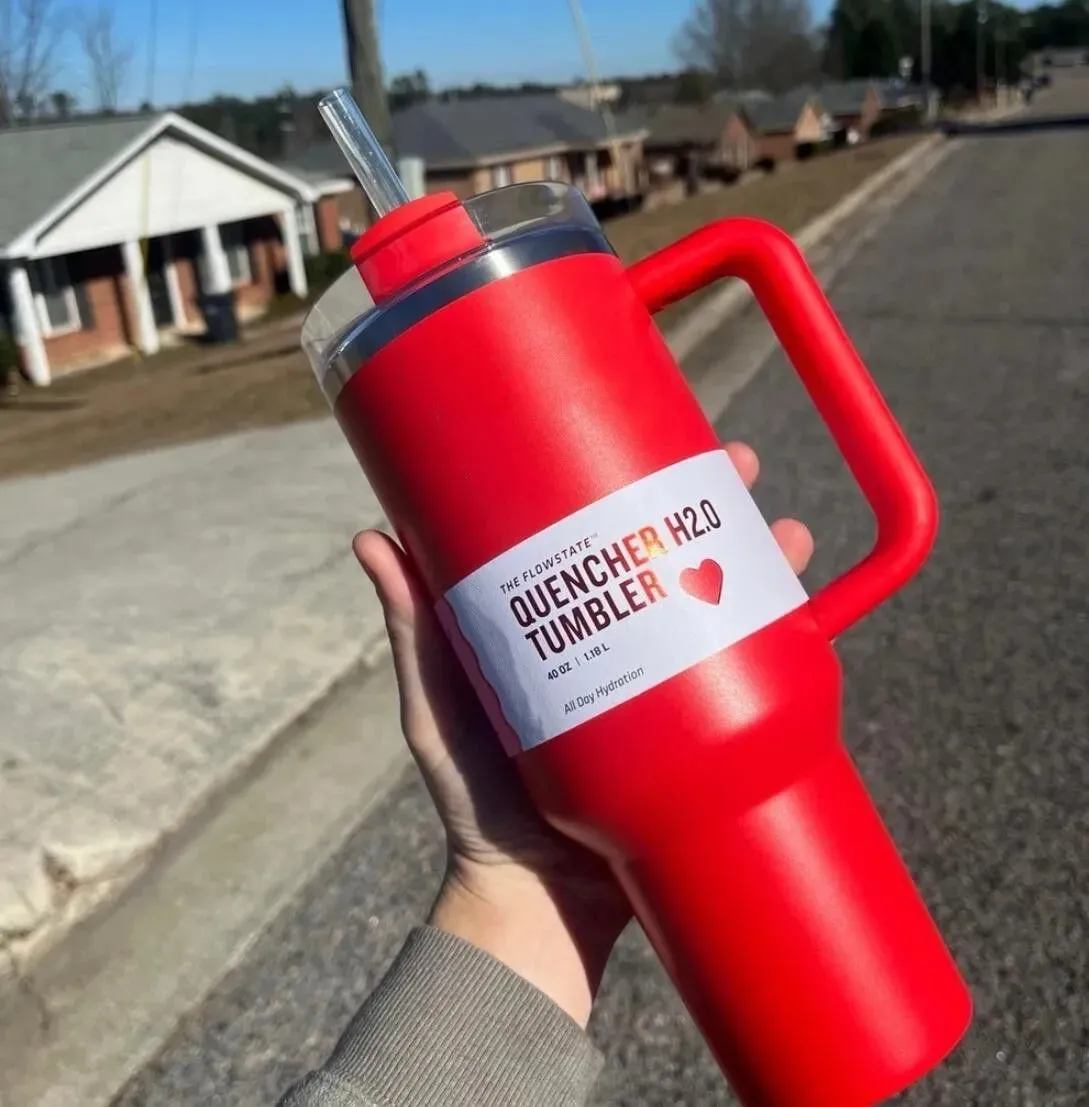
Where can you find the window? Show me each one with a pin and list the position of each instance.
(500, 176)
(555, 168)
(592, 175)
(238, 255)
(58, 307)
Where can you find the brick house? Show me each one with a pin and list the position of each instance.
(713, 136)
(111, 230)
(851, 108)
(473, 145)
(784, 126)
(343, 212)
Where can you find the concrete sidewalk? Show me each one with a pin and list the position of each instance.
(165, 615)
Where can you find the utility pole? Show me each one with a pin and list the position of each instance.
(981, 48)
(365, 65)
(999, 61)
(925, 46)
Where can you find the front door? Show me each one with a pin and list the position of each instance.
(159, 291)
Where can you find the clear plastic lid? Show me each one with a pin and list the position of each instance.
(505, 213)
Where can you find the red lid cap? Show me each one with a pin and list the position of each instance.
(413, 240)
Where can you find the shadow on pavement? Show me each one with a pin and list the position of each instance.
(1017, 125)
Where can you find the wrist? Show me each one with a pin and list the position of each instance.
(513, 916)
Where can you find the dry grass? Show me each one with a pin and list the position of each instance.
(188, 394)
(178, 396)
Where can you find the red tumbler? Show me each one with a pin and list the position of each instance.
(666, 688)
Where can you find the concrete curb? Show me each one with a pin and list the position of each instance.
(86, 901)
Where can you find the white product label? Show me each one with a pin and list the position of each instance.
(622, 595)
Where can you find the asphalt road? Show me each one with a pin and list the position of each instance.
(967, 706)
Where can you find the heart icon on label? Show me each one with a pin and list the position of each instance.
(704, 583)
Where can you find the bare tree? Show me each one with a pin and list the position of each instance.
(108, 58)
(751, 43)
(30, 31)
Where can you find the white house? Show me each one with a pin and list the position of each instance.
(112, 230)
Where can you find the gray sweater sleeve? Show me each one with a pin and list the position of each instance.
(450, 1026)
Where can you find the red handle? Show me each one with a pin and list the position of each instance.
(870, 439)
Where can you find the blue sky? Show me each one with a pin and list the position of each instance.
(246, 47)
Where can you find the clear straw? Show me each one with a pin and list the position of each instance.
(363, 151)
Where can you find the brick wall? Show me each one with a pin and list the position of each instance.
(268, 267)
(105, 317)
(775, 147)
(327, 218)
(463, 183)
(186, 248)
(354, 207)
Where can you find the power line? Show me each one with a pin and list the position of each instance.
(153, 39)
(981, 49)
(191, 54)
(595, 85)
(187, 89)
(145, 190)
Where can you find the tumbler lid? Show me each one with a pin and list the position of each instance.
(415, 241)
(486, 224)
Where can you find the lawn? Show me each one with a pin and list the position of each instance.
(190, 393)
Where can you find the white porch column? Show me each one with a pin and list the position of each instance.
(215, 260)
(413, 174)
(28, 332)
(296, 267)
(147, 334)
(310, 225)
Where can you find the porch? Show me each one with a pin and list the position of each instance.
(123, 263)
(73, 311)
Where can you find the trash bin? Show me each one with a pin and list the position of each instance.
(220, 318)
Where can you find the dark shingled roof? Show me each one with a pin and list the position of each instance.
(459, 132)
(840, 98)
(687, 124)
(777, 116)
(41, 165)
(455, 133)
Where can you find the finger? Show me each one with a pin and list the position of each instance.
(795, 541)
(745, 461)
(383, 561)
(405, 610)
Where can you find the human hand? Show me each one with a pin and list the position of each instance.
(542, 904)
